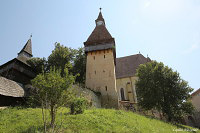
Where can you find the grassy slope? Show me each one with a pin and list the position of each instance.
(94, 120)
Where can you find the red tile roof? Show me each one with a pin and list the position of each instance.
(100, 34)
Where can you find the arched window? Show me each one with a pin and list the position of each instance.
(122, 94)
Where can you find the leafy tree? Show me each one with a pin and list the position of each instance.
(159, 87)
(79, 66)
(38, 64)
(61, 56)
(51, 91)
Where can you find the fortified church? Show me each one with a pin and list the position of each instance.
(114, 78)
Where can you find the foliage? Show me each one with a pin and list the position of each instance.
(38, 64)
(78, 105)
(60, 57)
(51, 91)
(93, 120)
(79, 66)
(160, 88)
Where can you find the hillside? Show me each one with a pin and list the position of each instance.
(93, 120)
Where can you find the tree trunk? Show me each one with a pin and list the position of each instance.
(53, 116)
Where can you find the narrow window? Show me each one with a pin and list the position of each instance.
(94, 57)
(95, 72)
(91, 53)
(104, 56)
(90, 75)
(122, 94)
(106, 88)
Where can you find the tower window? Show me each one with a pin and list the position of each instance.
(104, 56)
(90, 75)
(94, 57)
(106, 88)
(122, 94)
(91, 53)
(95, 72)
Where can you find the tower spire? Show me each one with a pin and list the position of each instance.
(27, 49)
(100, 20)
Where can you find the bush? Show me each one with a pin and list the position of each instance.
(78, 105)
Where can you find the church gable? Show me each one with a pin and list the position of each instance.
(126, 66)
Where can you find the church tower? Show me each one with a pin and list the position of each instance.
(100, 65)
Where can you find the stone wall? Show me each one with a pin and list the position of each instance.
(94, 98)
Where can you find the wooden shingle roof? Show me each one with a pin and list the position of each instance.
(27, 48)
(126, 66)
(11, 88)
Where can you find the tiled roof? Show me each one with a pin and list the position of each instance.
(100, 33)
(100, 17)
(10, 88)
(27, 48)
(126, 66)
(196, 92)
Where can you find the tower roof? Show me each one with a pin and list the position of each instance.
(100, 17)
(100, 34)
(27, 48)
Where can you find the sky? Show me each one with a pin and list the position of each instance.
(167, 31)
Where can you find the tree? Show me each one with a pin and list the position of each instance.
(75, 59)
(51, 91)
(38, 64)
(159, 87)
(61, 56)
(79, 66)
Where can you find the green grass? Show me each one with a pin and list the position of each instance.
(13, 120)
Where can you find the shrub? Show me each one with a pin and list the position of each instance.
(78, 105)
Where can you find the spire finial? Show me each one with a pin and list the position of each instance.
(31, 36)
(100, 9)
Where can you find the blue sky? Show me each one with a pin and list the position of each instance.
(166, 30)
